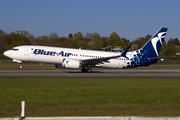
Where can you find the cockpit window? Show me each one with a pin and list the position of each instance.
(15, 49)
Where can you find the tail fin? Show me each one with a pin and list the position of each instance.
(153, 46)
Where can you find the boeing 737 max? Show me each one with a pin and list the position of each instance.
(86, 59)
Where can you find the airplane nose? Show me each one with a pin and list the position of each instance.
(6, 53)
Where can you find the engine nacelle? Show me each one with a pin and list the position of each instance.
(70, 63)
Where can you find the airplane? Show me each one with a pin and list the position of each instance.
(87, 59)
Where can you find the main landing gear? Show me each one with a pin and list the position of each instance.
(89, 70)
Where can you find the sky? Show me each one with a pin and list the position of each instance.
(128, 18)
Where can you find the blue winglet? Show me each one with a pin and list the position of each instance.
(124, 53)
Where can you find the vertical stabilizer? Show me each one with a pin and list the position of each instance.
(152, 48)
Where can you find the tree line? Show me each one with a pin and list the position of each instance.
(77, 40)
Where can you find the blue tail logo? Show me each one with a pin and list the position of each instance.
(149, 53)
(153, 46)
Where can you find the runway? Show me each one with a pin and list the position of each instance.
(167, 73)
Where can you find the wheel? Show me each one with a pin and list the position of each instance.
(83, 69)
(20, 66)
(89, 70)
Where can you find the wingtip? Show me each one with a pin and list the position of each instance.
(124, 53)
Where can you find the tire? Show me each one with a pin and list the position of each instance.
(83, 70)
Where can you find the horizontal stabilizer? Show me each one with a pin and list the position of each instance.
(158, 58)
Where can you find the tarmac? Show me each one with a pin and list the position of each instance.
(165, 73)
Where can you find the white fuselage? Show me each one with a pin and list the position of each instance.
(55, 55)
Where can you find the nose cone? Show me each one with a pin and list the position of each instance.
(7, 53)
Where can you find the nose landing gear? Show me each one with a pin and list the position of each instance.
(20, 65)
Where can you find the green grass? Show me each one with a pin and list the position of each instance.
(90, 96)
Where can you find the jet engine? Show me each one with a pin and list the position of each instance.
(68, 63)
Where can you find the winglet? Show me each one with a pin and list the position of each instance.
(124, 53)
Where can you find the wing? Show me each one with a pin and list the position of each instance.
(95, 61)
(98, 60)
